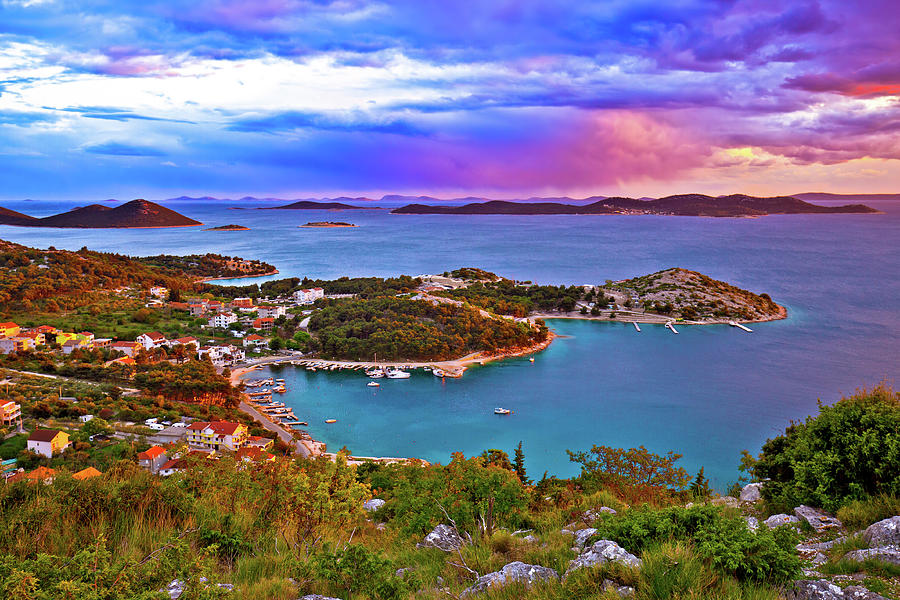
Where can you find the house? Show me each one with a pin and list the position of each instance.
(303, 297)
(64, 336)
(192, 342)
(214, 305)
(264, 324)
(72, 345)
(128, 348)
(221, 355)
(258, 441)
(197, 309)
(85, 418)
(318, 293)
(47, 442)
(222, 319)
(158, 291)
(46, 329)
(88, 336)
(86, 474)
(15, 344)
(43, 475)
(270, 310)
(255, 341)
(151, 340)
(11, 414)
(102, 342)
(170, 467)
(152, 459)
(9, 329)
(242, 303)
(216, 435)
(37, 338)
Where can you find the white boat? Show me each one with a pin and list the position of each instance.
(502, 411)
(375, 373)
(373, 384)
(531, 359)
(397, 374)
(437, 373)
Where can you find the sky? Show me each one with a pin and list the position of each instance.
(507, 98)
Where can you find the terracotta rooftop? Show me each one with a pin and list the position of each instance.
(43, 435)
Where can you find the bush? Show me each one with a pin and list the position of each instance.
(850, 451)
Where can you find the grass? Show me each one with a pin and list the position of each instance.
(859, 514)
(845, 566)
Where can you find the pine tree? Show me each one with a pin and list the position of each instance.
(700, 486)
(519, 465)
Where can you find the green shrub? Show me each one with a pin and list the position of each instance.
(850, 451)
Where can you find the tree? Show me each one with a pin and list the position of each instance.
(636, 474)
(497, 458)
(276, 344)
(700, 486)
(519, 465)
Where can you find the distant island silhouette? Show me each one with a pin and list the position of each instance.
(134, 214)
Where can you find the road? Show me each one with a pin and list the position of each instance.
(282, 434)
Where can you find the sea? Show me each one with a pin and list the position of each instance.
(707, 393)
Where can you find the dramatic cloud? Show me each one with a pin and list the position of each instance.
(623, 96)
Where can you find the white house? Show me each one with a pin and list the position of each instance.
(85, 418)
(151, 340)
(222, 355)
(190, 341)
(222, 319)
(47, 442)
(270, 310)
(255, 341)
(159, 292)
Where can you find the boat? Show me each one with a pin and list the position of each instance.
(330, 421)
(531, 359)
(437, 372)
(502, 411)
(397, 374)
(303, 423)
(373, 384)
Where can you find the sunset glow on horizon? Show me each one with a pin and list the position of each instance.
(296, 98)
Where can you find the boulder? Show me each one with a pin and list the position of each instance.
(819, 546)
(602, 552)
(443, 537)
(582, 536)
(374, 504)
(883, 533)
(729, 501)
(513, 572)
(814, 590)
(781, 519)
(592, 515)
(317, 597)
(752, 523)
(176, 588)
(818, 520)
(889, 554)
(529, 539)
(751, 492)
(857, 592)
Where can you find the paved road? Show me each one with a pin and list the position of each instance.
(282, 434)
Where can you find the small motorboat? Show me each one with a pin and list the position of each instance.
(373, 384)
(438, 373)
(531, 359)
(502, 411)
(397, 374)
(330, 421)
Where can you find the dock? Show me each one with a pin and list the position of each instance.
(739, 326)
(636, 326)
(671, 327)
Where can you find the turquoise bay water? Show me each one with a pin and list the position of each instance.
(706, 393)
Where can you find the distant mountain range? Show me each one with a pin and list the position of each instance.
(735, 205)
(336, 204)
(133, 214)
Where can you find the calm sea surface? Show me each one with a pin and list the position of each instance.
(706, 393)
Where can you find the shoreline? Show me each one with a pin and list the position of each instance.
(654, 319)
(205, 279)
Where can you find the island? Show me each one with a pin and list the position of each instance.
(696, 205)
(136, 214)
(228, 228)
(336, 204)
(328, 224)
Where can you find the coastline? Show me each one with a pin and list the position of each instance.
(205, 279)
(654, 319)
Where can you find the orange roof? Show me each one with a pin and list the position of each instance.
(125, 360)
(253, 454)
(175, 463)
(186, 340)
(218, 427)
(151, 453)
(254, 336)
(155, 335)
(87, 473)
(8, 324)
(40, 474)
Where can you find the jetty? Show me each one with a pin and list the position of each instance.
(636, 326)
(739, 326)
(671, 327)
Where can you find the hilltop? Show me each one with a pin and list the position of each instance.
(134, 214)
(735, 205)
(313, 205)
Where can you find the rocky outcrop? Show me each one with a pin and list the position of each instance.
(825, 590)
(317, 597)
(751, 492)
(818, 520)
(752, 523)
(883, 533)
(602, 552)
(443, 537)
(624, 591)
(781, 519)
(591, 515)
(889, 554)
(582, 536)
(374, 504)
(513, 572)
(176, 588)
(729, 501)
